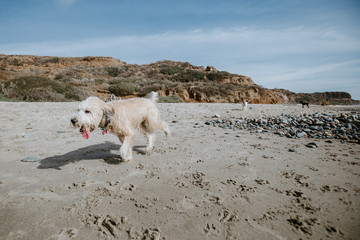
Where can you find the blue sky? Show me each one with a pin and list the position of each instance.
(299, 45)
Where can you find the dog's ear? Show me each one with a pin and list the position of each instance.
(108, 115)
(109, 111)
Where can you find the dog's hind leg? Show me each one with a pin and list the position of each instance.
(126, 148)
(165, 128)
(150, 138)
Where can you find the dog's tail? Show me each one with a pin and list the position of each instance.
(154, 96)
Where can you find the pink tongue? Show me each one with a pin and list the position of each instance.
(86, 134)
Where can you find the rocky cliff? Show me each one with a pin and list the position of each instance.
(41, 78)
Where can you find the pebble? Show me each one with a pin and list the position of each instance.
(31, 159)
(318, 125)
(356, 123)
(25, 135)
(311, 145)
(300, 134)
(292, 150)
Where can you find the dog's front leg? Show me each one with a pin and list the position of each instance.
(126, 148)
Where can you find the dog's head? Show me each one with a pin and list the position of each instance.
(92, 113)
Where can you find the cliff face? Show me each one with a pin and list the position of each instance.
(104, 75)
(333, 98)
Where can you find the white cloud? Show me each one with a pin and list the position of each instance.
(277, 74)
(341, 76)
(240, 43)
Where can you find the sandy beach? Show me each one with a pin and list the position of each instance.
(203, 182)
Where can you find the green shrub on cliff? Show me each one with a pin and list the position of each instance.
(122, 88)
(217, 76)
(189, 76)
(34, 88)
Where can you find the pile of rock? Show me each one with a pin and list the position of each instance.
(317, 125)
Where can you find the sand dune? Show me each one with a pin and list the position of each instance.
(203, 182)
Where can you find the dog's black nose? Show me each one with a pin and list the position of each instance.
(73, 120)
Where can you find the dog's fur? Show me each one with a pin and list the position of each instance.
(304, 104)
(122, 118)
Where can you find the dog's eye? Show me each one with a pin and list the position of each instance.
(87, 111)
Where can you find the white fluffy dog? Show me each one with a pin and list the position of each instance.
(122, 118)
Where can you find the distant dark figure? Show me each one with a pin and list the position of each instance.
(304, 104)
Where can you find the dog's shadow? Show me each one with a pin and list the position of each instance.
(93, 152)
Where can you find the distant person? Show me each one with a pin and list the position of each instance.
(245, 105)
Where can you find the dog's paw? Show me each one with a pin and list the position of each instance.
(128, 159)
(147, 151)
